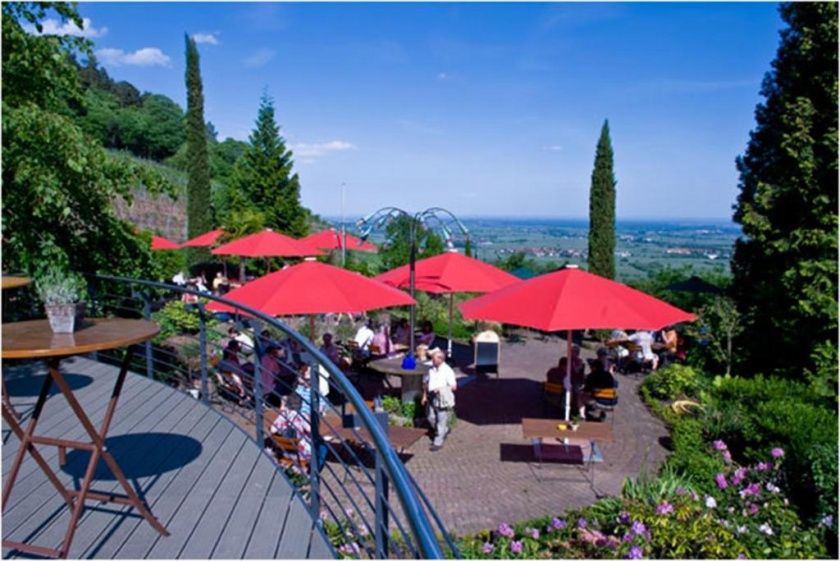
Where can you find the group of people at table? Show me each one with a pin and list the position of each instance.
(623, 350)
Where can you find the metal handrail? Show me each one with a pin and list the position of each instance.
(404, 485)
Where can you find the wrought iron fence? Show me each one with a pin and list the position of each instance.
(296, 403)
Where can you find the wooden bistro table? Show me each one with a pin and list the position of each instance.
(539, 429)
(9, 281)
(411, 381)
(35, 340)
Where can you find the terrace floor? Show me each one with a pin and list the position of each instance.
(218, 494)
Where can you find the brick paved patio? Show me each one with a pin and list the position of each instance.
(470, 484)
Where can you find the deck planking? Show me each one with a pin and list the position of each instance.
(218, 494)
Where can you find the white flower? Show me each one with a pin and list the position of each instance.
(711, 502)
(772, 488)
(742, 529)
(766, 529)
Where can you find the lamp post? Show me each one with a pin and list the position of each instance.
(444, 220)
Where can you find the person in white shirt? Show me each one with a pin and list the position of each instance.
(645, 340)
(364, 336)
(180, 279)
(439, 387)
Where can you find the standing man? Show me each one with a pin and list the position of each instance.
(439, 396)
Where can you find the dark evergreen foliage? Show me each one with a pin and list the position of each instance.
(602, 209)
(199, 211)
(785, 266)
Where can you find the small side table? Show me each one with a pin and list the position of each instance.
(35, 340)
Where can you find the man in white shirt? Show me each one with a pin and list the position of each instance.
(645, 340)
(439, 387)
(364, 336)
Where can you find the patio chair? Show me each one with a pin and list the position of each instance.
(606, 399)
(554, 393)
(487, 351)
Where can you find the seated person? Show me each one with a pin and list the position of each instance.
(245, 342)
(364, 337)
(601, 378)
(304, 390)
(275, 375)
(189, 299)
(668, 345)
(179, 279)
(382, 340)
(219, 281)
(645, 340)
(230, 365)
(332, 352)
(427, 334)
(293, 422)
(402, 333)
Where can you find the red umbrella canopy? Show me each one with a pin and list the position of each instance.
(159, 243)
(204, 240)
(314, 288)
(450, 272)
(573, 299)
(267, 244)
(331, 239)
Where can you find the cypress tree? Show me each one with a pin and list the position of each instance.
(263, 177)
(785, 264)
(602, 209)
(199, 211)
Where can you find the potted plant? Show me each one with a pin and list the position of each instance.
(61, 292)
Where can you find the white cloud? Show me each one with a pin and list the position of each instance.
(259, 58)
(54, 27)
(206, 38)
(553, 148)
(147, 56)
(307, 152)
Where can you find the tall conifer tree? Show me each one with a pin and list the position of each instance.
(602, 209)
(264, 180)
(199, 211)
(785, 266)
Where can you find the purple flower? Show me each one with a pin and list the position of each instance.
(624, 517)
(487, 548)
(628, 537)
(680, 491)
(753, 508)
(827, 521)
(581, 523)
(739, 475)
(505, 530)
(720, 479)
(771, 487)
(534, 533)
(741, 556)
(762, 466)
(638, 528)
(777, 453)
(636, 552)
(694, 496)
(727, 457)
(664, 509)
(719, 445)
(750, 490)
(558, 524)
(516, 547)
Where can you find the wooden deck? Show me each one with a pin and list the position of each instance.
(205, 480)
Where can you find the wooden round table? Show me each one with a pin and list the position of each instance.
(411, 381)
(15, 282)
(35, 340)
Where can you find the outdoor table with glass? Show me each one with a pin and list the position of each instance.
(35, 340)
(411, 381)
(538, 430)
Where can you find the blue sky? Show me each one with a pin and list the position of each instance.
(485, 109)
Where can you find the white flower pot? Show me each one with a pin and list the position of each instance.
(65, 318)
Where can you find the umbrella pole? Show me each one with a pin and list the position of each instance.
(568, 380)
(449, 341)
(312, 328)
(241, 270)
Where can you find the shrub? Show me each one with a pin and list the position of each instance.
(673, 382)
(176, 319)
(690, 457)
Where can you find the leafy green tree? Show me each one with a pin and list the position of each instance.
(263, 176)
(58, 183)
(785, 266)
(468, 248)
(163, 127)
(398, 249)
(602, 209)
(199, 211)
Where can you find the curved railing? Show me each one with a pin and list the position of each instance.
(349, 491)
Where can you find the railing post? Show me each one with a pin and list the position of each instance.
(258, 389)
(314, 464)
(202, 352)
(147, 314)
(381, 528)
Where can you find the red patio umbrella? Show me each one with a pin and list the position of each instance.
(160, 243)
(267, 244)
(573, 299)
(332, 239)
(449, 273)
(206, 239)
(314, 288)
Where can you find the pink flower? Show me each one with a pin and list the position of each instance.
(505, 530)
(487, 548)
(727, 457)
(558, 524)
(762, 466)
(777, 453)
(719, 445)
(752, 489)
(753, 508)
(664, 509)
(516, 547)
(533, 532)
(720, 479)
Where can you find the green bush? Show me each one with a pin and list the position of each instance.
(690, 457)
(674, 382)
(175, 319)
